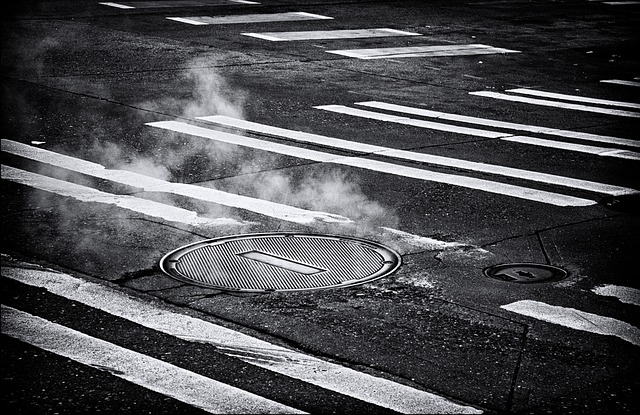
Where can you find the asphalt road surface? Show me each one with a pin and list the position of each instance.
(374, 158)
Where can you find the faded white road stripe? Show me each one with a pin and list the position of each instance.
(556, 104)
(609, 152)
(341, 109)
(189, 20)
(330, 376)
(378, 166)
(501, 124)
(117, 5)
(620, 82)
(581, 148)
(576, 319)
(421, 51)
(150, 184)
(88, 194)
(329, 34)
(626, 295)
(249, 18)
(180, 3)
(575, 98)
(153, 374)
(275, 210)
(421, 157)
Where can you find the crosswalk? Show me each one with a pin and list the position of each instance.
(216, 396)
(536, 141)
(165, 211)
(208, 394)
(378, 166)
(515, 95)
(421, 157)
(421, 51)
(200, 391)
(360, 160)
(487, 180)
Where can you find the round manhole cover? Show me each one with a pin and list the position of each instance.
(525, 273)
(280, 262)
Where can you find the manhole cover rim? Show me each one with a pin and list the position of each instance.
(558, 274)
(391, 262)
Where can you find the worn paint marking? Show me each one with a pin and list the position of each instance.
(620, 82)
(340, 379)
(575, 98)
(88, 194)
(150, 184)
(379, 166)
(556, 104)
(421, 157)
(500, 124)
(153, 374)
(626, 295)
(180, 3)
(421, 51)
(576, 319)
(601, 151)
(329, 34)
(249, 18)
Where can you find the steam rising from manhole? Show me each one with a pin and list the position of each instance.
(271, 262)
(524, 273)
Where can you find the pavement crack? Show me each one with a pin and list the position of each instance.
(547, 259)
(550, 228)
(516, 370)
(129, 276)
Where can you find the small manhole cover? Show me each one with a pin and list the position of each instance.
(280, 262)
(525, 273)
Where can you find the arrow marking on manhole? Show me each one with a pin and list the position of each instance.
(281, 262)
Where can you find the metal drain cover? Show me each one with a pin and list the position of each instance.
(525, 273)
(280, 262)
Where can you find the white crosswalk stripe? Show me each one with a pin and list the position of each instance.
(330, 34)
(601, 151)
(423, 157)
(626, 295)
(379, 166)
(620, 82)
(422, 51)
(577, 135)
(575, 98)
(305, 368)
(117, 5)
(179, 3)
(150, 184)
(168, 212)
(135, 204)
(207, 394)
(576, 319)
(556, 104)
(620, 3)
(249, 18)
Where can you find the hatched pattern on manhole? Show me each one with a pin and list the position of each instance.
(280, 262)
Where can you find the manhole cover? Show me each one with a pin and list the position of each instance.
(525, 273)
(280, 262)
